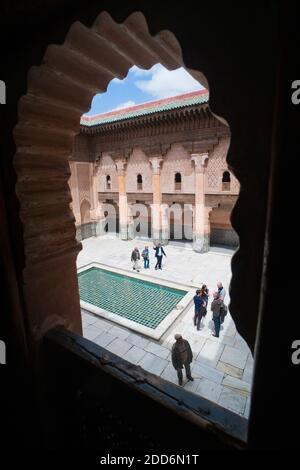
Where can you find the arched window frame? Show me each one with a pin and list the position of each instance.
(108, 182)
(139, 182)
(177, 181)
(225, 185)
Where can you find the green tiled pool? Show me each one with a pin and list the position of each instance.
(140, 301)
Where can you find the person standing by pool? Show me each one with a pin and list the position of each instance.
(135, 257)
(222, 295)
(159, 253)
(216, 306)
(221, 291)
(182, 356)
(146, 257)
(204, 294)
(199, 306)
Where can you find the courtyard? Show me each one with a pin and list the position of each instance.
(222, 367)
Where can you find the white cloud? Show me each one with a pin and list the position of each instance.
(164, 83)
(126, 104)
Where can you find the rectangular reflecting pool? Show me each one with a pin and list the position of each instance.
(139, 301)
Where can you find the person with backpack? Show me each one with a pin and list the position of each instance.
(146, 257)
(135, 257)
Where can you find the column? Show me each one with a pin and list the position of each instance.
(157, 199)
(97, 212)
(130, 221)
(123, 208)
(201, 215)
(73, 184)
(165, 229)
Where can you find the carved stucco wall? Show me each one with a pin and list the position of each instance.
(84, 181)
(138, 164)
(80, 187)
(178, 160)
(216, 166)
(107, 167)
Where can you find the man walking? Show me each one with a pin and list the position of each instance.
(135, 257)
(216, 306)
(182, 356)
(159, 253)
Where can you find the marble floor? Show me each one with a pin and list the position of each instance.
(222, 367)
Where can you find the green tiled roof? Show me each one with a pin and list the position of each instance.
(175, 102)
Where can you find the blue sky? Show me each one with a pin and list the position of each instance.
(140, 86)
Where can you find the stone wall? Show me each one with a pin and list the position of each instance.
(221, 231)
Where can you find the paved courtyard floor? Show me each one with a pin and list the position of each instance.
(222, 367)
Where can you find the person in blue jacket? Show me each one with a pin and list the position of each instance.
(145, 256)
(200, 305)
(159, 253)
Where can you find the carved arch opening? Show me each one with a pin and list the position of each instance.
(59, 92)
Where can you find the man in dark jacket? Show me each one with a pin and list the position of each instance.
(135, 257)
(216, 307)
(182, 356)
(159, 253)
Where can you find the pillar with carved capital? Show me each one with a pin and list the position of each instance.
(165, 227)
(73, 184)
(201, 215)
(130, 222)
(157, 199)
(123, 207)
(97, 212)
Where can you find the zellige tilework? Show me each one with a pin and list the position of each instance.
(139, 301)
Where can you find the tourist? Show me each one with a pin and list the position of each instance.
(204, 294)
(221, 291)
(222, 295)
(146, 257)
(159, 253)
(182, 356)
(216, 306)
(199, 303)
(135, 257)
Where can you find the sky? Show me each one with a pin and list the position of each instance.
(141, 86)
